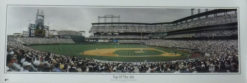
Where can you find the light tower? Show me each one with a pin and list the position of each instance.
(106, 17)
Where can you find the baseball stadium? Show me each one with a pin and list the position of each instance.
(201, 42)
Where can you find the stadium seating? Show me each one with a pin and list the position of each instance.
(217, 54)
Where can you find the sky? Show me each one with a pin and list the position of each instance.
(80, 18)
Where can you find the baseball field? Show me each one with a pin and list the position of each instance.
(115, 51)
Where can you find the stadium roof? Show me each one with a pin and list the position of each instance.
(176, 21)
(203, 14)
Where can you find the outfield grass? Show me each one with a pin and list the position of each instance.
(77, 49)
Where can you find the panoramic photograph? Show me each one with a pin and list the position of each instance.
(122, 40)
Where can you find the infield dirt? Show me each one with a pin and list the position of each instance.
(110, 52)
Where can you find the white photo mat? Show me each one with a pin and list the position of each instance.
(130, 78)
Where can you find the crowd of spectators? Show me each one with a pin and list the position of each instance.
(207, 34)
(210, 47)
(217, 33)
(29, 40)
(219, 57)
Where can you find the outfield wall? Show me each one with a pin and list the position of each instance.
(129, 41)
